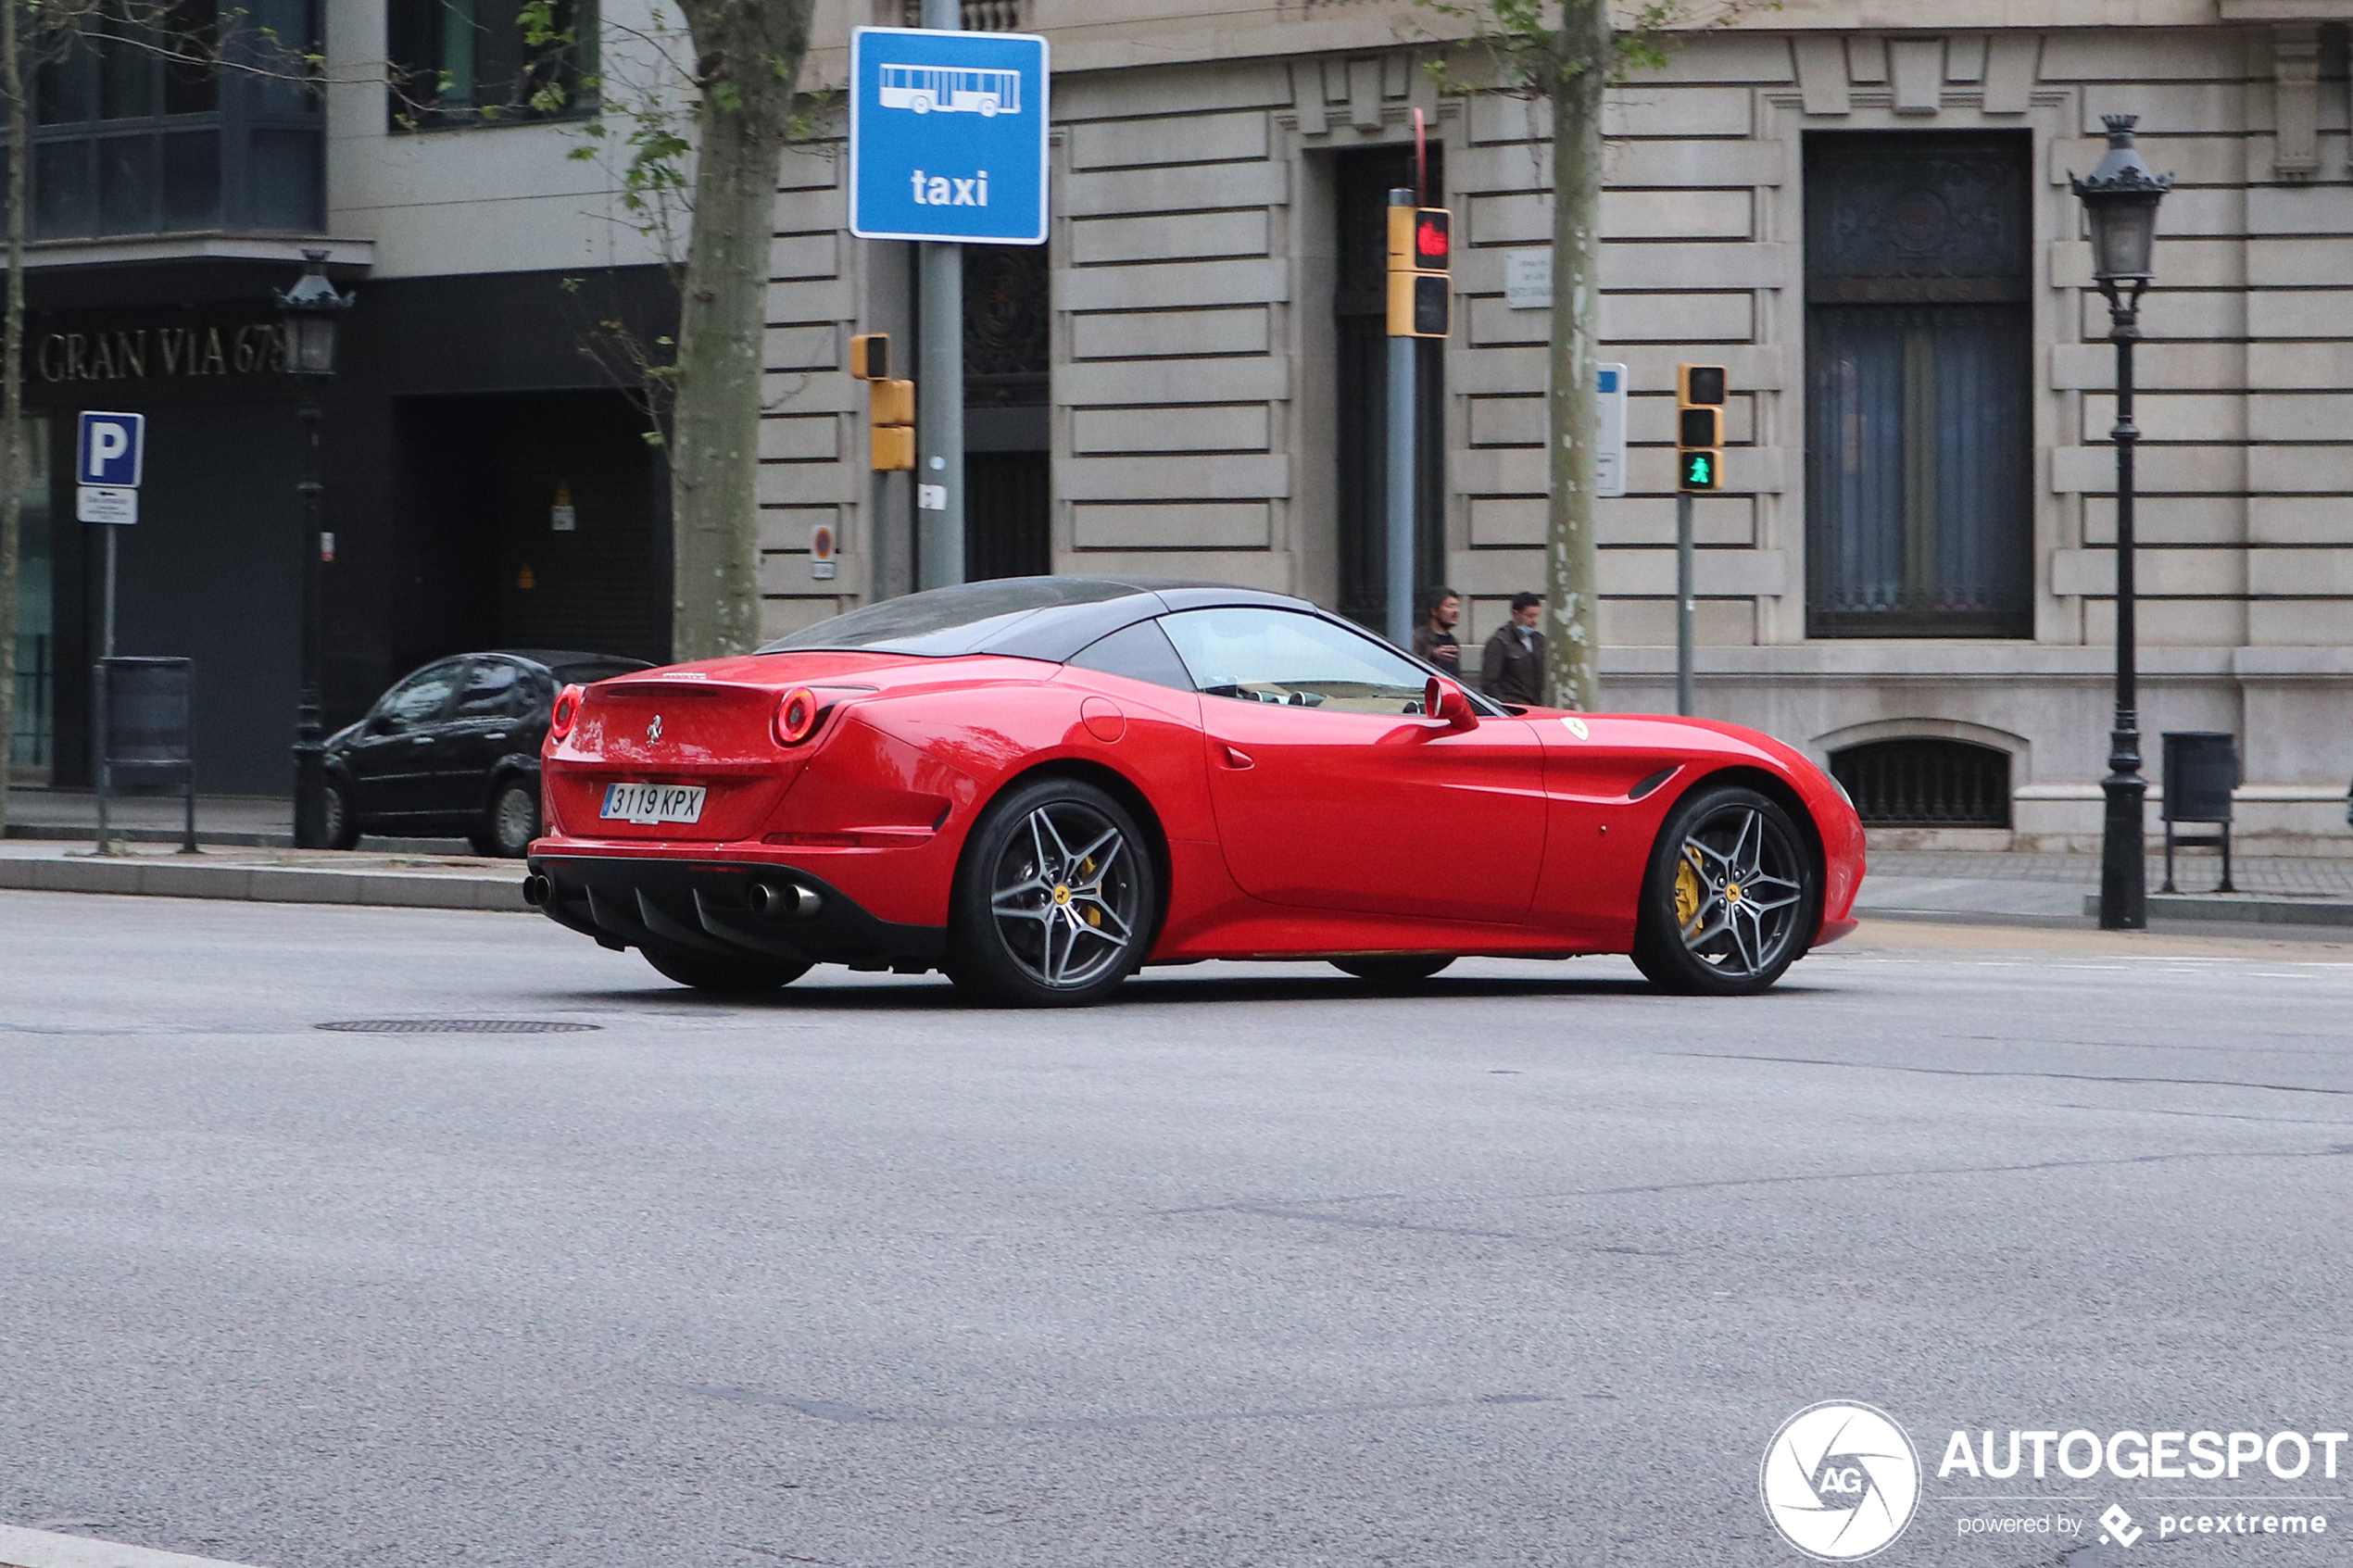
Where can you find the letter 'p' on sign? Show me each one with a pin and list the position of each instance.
(111, 449)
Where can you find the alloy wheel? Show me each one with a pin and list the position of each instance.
(1066, 895)
(1738, 891)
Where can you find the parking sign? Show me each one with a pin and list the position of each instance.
(110, 451)
(947, 136)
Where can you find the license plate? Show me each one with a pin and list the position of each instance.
(652, 804)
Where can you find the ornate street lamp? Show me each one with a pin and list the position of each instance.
(2120, 199)
(311, 312)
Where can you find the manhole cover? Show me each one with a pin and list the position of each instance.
(454, 1026)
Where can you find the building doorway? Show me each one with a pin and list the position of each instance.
(1008, 471)
(531, 520)
(1359, 303)
(1918, 344)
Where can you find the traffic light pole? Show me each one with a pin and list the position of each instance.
(939, 398)
(1684, 603)
(1402, 480)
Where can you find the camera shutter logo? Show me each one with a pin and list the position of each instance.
(1840, 1481)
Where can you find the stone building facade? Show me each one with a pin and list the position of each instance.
(1861, 210)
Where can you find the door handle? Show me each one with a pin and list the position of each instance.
(1238, 760)
(423, 740)
(495, 735)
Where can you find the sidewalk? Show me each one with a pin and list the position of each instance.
(278, 876)
(2064, 889)
(255, 822)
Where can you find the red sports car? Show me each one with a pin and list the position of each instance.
(1039, 784)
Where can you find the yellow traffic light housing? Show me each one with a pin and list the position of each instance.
(870, 356)
(1421, 293)
(1700, 386)
(1699, 427)
(891, 417)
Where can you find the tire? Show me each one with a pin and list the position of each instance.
(342, 823)
(1408, 970)
(513, 822)
(1732, 897)
(733, 977)
(1055, 902)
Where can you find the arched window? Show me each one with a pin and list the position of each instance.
(1924, 783)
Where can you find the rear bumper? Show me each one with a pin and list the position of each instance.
(706, 906)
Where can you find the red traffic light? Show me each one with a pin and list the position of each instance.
(1433, 239)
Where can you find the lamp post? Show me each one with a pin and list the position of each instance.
(2120, 199)
(311, 312)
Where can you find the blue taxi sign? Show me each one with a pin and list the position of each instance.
(947, 136)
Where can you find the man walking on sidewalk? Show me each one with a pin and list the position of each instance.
(1512, 669)
(1434, 638)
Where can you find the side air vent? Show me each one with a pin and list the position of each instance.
(1926, 783)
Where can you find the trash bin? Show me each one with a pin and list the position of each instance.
(2201, 770)
(145, 721)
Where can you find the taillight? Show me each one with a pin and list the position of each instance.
(567, 709)
(797, 716)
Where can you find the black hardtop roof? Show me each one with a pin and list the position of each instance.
(1046, 617)
(556, 658)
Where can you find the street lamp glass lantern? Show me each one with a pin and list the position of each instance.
(312, 312)
(2120, 199)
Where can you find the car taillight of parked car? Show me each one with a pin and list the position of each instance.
(797, 715)
(567, 709)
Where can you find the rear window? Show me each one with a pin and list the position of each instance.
(946, 622)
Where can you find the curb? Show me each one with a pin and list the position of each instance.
(273, 885)
(40, 1549)
(2239, 910)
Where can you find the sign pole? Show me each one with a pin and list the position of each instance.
(1684, 603)
(940, 386)
(1402, 486)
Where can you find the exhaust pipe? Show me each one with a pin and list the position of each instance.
(771, 901)
(538, 890)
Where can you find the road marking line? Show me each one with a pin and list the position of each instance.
(20, 1548)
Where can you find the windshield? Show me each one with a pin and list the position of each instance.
(946, 622)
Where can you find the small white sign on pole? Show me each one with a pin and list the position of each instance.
(1527, 279)
(116, 504)
(1609, 457)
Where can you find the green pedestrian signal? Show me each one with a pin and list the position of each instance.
(1703, 468)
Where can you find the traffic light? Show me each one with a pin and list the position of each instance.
(1421, 293)
(891, 422)
(1699, 427)
(870, 356)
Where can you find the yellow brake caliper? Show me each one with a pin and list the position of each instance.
(1689, 891)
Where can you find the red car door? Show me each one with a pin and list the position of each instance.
(1333, 791)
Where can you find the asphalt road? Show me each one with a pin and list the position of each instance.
(1252, 1267)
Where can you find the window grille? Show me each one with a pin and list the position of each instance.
(1926, 783)
(979, 16)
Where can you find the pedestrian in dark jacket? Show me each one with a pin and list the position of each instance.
(1512, 669)
(1434, 638)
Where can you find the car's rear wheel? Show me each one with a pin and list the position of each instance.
(513, 822)
(713, 971)
(1732, 897)
(1410, 970)
(341, 824)
(1055, 904)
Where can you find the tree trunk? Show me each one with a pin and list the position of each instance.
(748, 57)
(1573, 634)
(11, 392)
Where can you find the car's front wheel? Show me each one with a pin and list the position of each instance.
(1731, 898)
(1055, 904)
(711, 972)
(512, 822)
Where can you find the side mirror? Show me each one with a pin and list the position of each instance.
(1445, 699)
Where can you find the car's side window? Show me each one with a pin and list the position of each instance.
(489, 690)
(1279, 656)
(420, 699)
(1140, 652)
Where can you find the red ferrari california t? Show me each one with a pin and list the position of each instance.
(1039, 784)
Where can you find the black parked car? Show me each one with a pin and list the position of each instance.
(453, 750)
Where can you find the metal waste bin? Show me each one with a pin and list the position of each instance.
(145, 713)
(2201, 770)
